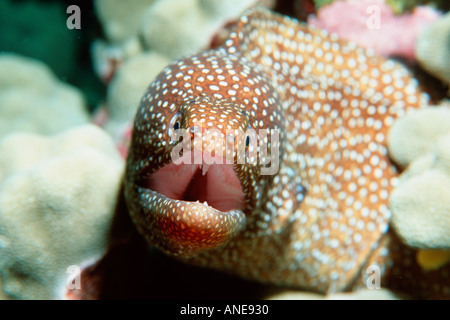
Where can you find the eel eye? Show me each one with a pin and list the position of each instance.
(247, 144)
(250, 139)
(175, 124)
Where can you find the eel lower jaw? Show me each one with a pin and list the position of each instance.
(195, 207)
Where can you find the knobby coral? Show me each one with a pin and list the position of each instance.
(57, 199)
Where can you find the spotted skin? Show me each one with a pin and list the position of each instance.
(323, 217)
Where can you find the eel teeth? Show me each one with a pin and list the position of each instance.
(205, 168)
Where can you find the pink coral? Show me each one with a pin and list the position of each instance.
(373, 24)
(124, 140)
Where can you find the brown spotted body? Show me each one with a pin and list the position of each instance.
(323, 217)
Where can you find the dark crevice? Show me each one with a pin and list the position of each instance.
(196, 190)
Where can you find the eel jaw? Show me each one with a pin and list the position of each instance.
(193, 207)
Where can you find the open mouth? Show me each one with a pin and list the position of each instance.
(216, 185)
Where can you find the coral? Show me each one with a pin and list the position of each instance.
(32, 99)
(364, 294)
(420, 203)
(179, 27)
(168, 27)
(295, 295)
(107, 58)
(416, 135)
(124, 94)
(57, 199)
(128, 86)
(433, 49)
(146, 39)
(373, 24)
(121, 19)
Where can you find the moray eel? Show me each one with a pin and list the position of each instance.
(321, 219)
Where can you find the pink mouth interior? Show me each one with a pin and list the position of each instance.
(217, 184)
